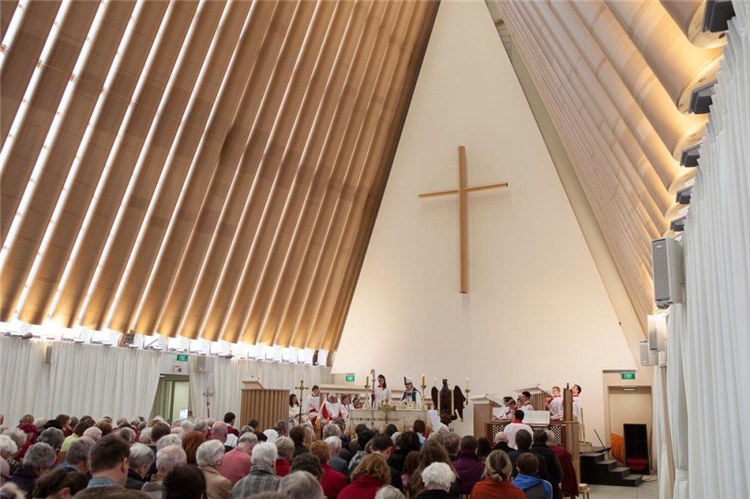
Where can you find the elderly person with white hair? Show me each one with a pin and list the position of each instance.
(262, 475)
(94, 433)
(166, 459)
(145, 436)
(301, 485)
(186, 426)
(271, 435)
(336, 462)
(209, 457)
(140, 460)
(437, 478)
(19, 438)
(331, 429)
(201, 426)
(39, 458)
(8, 449)
(389, 492)
(166, 440)
(52, 436)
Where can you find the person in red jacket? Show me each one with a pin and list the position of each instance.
(285, 447)
(497, 484)
(368, 477)
(332, 480)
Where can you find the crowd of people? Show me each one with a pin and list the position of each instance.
(85, 458)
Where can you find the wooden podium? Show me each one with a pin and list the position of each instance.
(267, 406)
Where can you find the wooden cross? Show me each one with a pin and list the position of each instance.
(462, 192)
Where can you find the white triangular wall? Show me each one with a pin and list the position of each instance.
(537, 311)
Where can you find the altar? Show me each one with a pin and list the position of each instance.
(379, 419)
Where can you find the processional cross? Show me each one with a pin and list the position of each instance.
(462, 192)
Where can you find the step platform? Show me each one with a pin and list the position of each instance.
(598, 470)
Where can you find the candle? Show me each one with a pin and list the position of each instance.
(467, 384)
(423, 380)
(434, 381)
(367, 380)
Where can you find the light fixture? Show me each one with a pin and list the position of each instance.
(702, 98)
(689, 156)
(718, 12)
(678, 224)
(683, 195)
(128, 339)
(154, 345)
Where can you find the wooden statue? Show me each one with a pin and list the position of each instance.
(448, 402)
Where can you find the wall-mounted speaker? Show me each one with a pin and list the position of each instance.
(667, 266)
(204, 364)
(648, 356)
(657, 332)
(48, 353)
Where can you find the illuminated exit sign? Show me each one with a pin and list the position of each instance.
(350, 378)
(182, 357)
(630, 376)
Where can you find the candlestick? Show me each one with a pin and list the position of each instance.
(453, 406)
(421, 395)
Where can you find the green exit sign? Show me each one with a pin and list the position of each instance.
(350, 378)
(627, 376)
(182, 357)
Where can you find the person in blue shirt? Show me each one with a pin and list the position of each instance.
(533, 487)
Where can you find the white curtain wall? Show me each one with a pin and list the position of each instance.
(223, 377)
(661, 434)
(111, 381)
(709, 335)
(79, 379)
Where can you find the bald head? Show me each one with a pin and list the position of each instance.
(219, 431)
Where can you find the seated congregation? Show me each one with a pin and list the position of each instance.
(83, 458)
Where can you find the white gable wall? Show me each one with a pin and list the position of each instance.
(537, 311)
